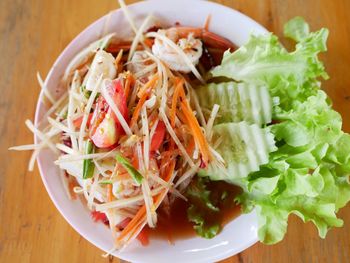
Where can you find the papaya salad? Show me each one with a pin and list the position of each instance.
(156, 118)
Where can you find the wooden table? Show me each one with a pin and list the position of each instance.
(32, 35)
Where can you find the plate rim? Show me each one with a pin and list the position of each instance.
(40, 161)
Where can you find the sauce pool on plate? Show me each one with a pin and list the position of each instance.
(175, 225)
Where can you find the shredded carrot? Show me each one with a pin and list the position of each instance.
(194, 126)
(123, 176)
(134, 222)
(180, 93)
(190, 147)
(135, 159)
(170, 171)
(137, 229)
(140, 217)
(174, 101)
(138, 109)
(118, 58)
(196, 131)
(149, 42)
(149, 84)
(117, 61)
(142, 100)
(181, 116)
(129, 80)
(109, 192)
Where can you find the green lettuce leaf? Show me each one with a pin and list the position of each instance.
(308, 174)
(264, 61)
(296, 29)
(316, 198)
(207, 202)
(201, 225)
(202, 208)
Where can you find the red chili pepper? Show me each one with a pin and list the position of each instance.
(202, 164)
(98, 216)
(158, 136)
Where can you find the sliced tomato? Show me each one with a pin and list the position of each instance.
(105, 127)
(99, 114)
(98, 216)
(158, 136)
(106, 133)
(77, 122)
(116, 90)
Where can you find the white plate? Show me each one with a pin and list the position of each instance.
(238, 234)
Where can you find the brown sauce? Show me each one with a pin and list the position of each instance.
(175, 225)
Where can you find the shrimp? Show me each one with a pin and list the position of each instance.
(191, 47)
(190, 40)
(141, 64)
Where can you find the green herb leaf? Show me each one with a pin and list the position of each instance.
(105, 182)
(134, 173)
(86, 92)
(88, 164)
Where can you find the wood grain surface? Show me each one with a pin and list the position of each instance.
(32, 35)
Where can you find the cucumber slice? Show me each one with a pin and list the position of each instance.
(238, 102)
(244, 148)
